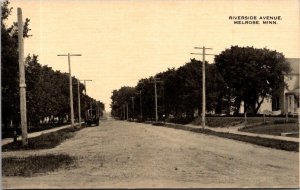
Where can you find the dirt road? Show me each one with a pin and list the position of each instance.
(125, 155)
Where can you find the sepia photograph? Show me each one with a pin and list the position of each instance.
(152, 94)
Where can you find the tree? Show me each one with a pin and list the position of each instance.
(168, 92)
(47, 91)
(179, 94)
(48, 94)
(189, 80)
(251, 74)
(185, 88)
(33, 75)
(216, 90)
(120, 98)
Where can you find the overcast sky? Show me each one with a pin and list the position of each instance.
(124, 41)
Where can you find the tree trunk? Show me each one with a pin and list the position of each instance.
(258, 105)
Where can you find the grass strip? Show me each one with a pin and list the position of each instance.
(8, 132)
(233, 121)
(32, 165)
(266, 142)
(273, 129)
(44, 141)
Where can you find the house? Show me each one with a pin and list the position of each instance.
(285, 100)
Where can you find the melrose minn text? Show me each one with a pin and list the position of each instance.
(255, 19)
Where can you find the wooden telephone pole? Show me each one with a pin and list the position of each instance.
(156, 80)
(127, 111)
(22, 79)
(141, 109)
(70, 84)
(203, 82)
(85, 91)
(132, 101)
(79, 107)
(124, 115)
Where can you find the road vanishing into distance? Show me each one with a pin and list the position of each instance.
(120, 154)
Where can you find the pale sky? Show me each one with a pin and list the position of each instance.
(124, 41)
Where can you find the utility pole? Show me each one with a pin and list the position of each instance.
(85, 88)
(70, 82)
(124, 117)
(156, 80)
(141, 110)
(203, 82)
(85, 85)
(22, 80)
(79, 108)
(140, 93)
(85, 91)
(127, 111)
(132, 100)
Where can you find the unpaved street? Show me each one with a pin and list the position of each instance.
(124, 154)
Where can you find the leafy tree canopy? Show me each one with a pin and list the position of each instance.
(251, 74)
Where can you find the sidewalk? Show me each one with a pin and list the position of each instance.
(30, 135)
(231, 130)
(234, 130)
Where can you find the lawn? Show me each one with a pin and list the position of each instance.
(266, 142)
(44, 141)
(274, 129)
(233, 121)
(9, 132)
(29, 166)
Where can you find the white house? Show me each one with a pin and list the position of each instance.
(285, 99)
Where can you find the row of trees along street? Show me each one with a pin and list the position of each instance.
(239, 74)
(47, 91)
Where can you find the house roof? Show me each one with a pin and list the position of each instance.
(294, 63)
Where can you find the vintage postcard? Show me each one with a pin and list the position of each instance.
(150, 94)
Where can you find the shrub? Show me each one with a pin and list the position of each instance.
(181, 120)
(220, 121)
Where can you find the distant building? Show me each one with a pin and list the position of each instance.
(286, 98)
